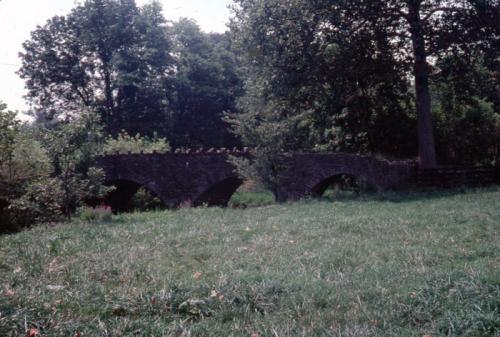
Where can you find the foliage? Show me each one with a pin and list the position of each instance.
(95, 214)
(348, 99)
(205, 85)
(123, 143)
(143, 201)
(479, 130)
(107, 55)
(344, 66)
(49, 170)
(141, 75)
(41, 202)
(72, 146)
(95, 188)
(270, 139)
(26, 161)
(23, 161)
(72, 143)
(9, 129)
(464, 96)
(409, 265)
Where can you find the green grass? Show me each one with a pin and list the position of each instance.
(422, 264)
(244, 199)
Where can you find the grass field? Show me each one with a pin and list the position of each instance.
(415, 265)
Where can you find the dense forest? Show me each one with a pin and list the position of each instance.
(401, 79)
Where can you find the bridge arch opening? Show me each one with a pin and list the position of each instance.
(251, 194)
(342, 185)
(131, 196)
(220, 193)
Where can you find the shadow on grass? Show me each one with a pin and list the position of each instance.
(404, 196)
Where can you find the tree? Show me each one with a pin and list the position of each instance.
(22, 157)
(272, 136)
(47, 172)
(205, 86)
(464, 104)
(363, 47)
(339, 92)
(424, 28)
(108, 55)
(9, 129)
(72, 147)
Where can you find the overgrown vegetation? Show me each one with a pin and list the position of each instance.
(143, 200)
(48, 172)
(394, 265)
(97, 214)
(123, 143)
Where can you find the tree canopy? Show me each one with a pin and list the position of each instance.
(395, 78)
(206, 85)
(139, 72)
(357, 75)
(108, 55)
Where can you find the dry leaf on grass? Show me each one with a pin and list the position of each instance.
(33, 332)
(9, 293)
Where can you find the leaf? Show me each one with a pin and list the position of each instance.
(9, 293)
(33, 332)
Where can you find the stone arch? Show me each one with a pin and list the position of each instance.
(209, 178)
(320, 183)
(119, 199)
(319, 188)
(309, 174)
(219, 193)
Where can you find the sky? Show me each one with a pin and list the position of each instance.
(19, 17)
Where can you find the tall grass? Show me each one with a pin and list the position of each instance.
(425, 264)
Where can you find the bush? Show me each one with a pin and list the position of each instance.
(144, 201)
(124, 143)
(47, 173)
(95, 214)
(41, 203)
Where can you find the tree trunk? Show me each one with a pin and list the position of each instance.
(108, 92)
(498, 94)
(426, 146)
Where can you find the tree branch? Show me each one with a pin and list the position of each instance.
(398, 13)
(442, 9)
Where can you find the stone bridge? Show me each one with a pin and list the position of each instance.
(207, 178)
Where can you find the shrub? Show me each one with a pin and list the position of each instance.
(144, 200)
(95, 214)
(124, 143)
(42, 202)
(46, 173)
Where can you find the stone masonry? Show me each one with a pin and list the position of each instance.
(207, 177)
